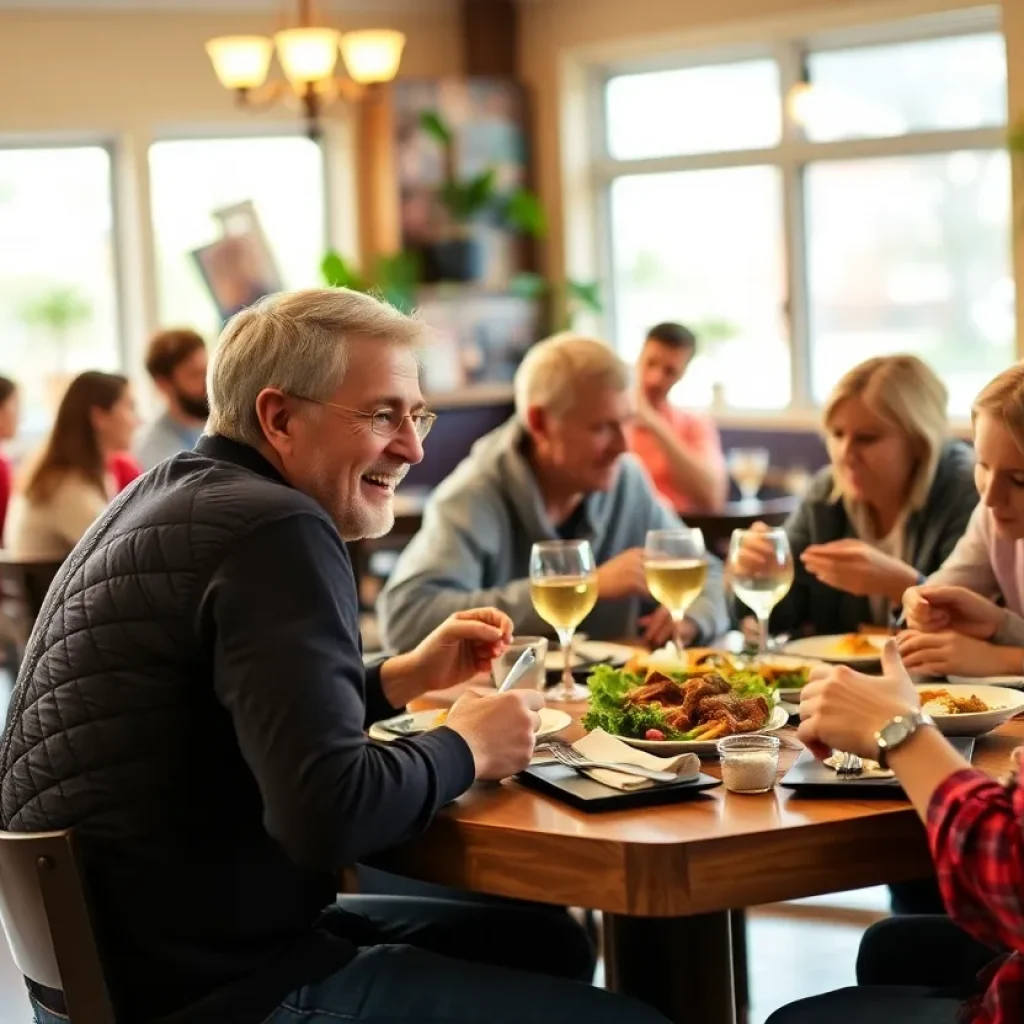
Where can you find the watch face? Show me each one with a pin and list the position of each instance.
(893, 734)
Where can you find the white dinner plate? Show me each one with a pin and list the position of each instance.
(706, 748)
(1014, 682)
(551, 721)
(826, 648)
(589, 652)
(1005, 703)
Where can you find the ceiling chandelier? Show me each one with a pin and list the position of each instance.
(307, 53)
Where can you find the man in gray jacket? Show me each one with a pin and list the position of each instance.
(557, 469)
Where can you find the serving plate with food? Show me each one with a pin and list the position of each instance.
(414, 723)
(856, 649)
(684, 711)
(784, 674)
(969, 710)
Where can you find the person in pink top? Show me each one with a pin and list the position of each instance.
(951, 630)
(681, 450)
(8, 428)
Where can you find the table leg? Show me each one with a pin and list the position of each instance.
(682, 966)
(738, 932)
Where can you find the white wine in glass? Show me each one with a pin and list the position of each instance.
(761, 570)
(563, 587)
(676, 568)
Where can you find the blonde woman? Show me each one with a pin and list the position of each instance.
(887, 510)
(969, 618)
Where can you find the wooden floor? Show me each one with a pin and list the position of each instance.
(796, 949)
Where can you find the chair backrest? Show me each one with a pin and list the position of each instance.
(26, 581)
(45, 916)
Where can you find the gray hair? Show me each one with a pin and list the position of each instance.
(557, 370)
(296, 342)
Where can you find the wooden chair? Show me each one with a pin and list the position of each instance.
(46, 919)
(26, 582)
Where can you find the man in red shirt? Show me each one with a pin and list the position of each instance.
(681, 450)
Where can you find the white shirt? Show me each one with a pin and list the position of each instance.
(48, 530)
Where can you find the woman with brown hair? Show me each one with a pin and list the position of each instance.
(888, 509)
(67, 486)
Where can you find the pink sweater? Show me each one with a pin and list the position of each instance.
(984, 562)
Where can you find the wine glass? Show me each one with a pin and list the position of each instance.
(676, 568)
(563, 587)
(761, 568)
(748, 466)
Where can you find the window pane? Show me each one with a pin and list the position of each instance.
(284, 178)
(930, 85)
(911, 254)
(705, 248)
(707, 109)
(58, 302)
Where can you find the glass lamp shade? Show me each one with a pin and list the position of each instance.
(240, 62)
(372, 55)
(307, 54)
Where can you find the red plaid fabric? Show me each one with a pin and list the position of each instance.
(976, 833)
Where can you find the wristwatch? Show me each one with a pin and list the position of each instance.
(898, 731)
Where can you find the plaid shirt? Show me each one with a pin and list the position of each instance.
(976, 833)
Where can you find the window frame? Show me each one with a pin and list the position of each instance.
(789, 46)
(108, 143)
(330, 143)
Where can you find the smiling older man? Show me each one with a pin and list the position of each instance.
(194, 702)
(557, 469)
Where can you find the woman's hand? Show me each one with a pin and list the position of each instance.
(842, 710)
(858, 568)
(949, 653)
(933, 609)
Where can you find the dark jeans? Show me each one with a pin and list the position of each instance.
(460, 962)
(910, 970)
(922, 896)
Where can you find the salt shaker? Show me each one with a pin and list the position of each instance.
(750, 763)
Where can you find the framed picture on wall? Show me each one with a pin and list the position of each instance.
(238, 270)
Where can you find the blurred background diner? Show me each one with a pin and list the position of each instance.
(749, 266)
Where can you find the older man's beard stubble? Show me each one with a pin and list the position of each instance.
(355, 517)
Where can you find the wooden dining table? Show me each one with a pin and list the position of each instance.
(666, 877)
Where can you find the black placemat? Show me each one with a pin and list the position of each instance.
(581, 791)
(810, 777)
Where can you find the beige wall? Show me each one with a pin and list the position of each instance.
(553, 31)
(132, 76)
(134, 70)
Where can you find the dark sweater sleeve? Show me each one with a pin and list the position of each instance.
(378, 707)
(282, 622)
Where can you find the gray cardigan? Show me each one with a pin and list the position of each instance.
(931, 535)
(474, 547)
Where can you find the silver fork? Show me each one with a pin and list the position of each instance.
(568, 755)
(849, 764)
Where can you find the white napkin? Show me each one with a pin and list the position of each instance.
(602, 746)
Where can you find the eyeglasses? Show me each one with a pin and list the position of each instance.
(383, 422)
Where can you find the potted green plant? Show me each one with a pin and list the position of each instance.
(392, 278)
(565, 300)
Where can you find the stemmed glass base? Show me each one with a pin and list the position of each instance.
(568, 690)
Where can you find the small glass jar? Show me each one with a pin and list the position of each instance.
(750, 764)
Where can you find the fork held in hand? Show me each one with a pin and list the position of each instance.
(568, 755)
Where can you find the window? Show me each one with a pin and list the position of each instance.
(811, 205)
(190, 179)
(717, 254)
(58, 299)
